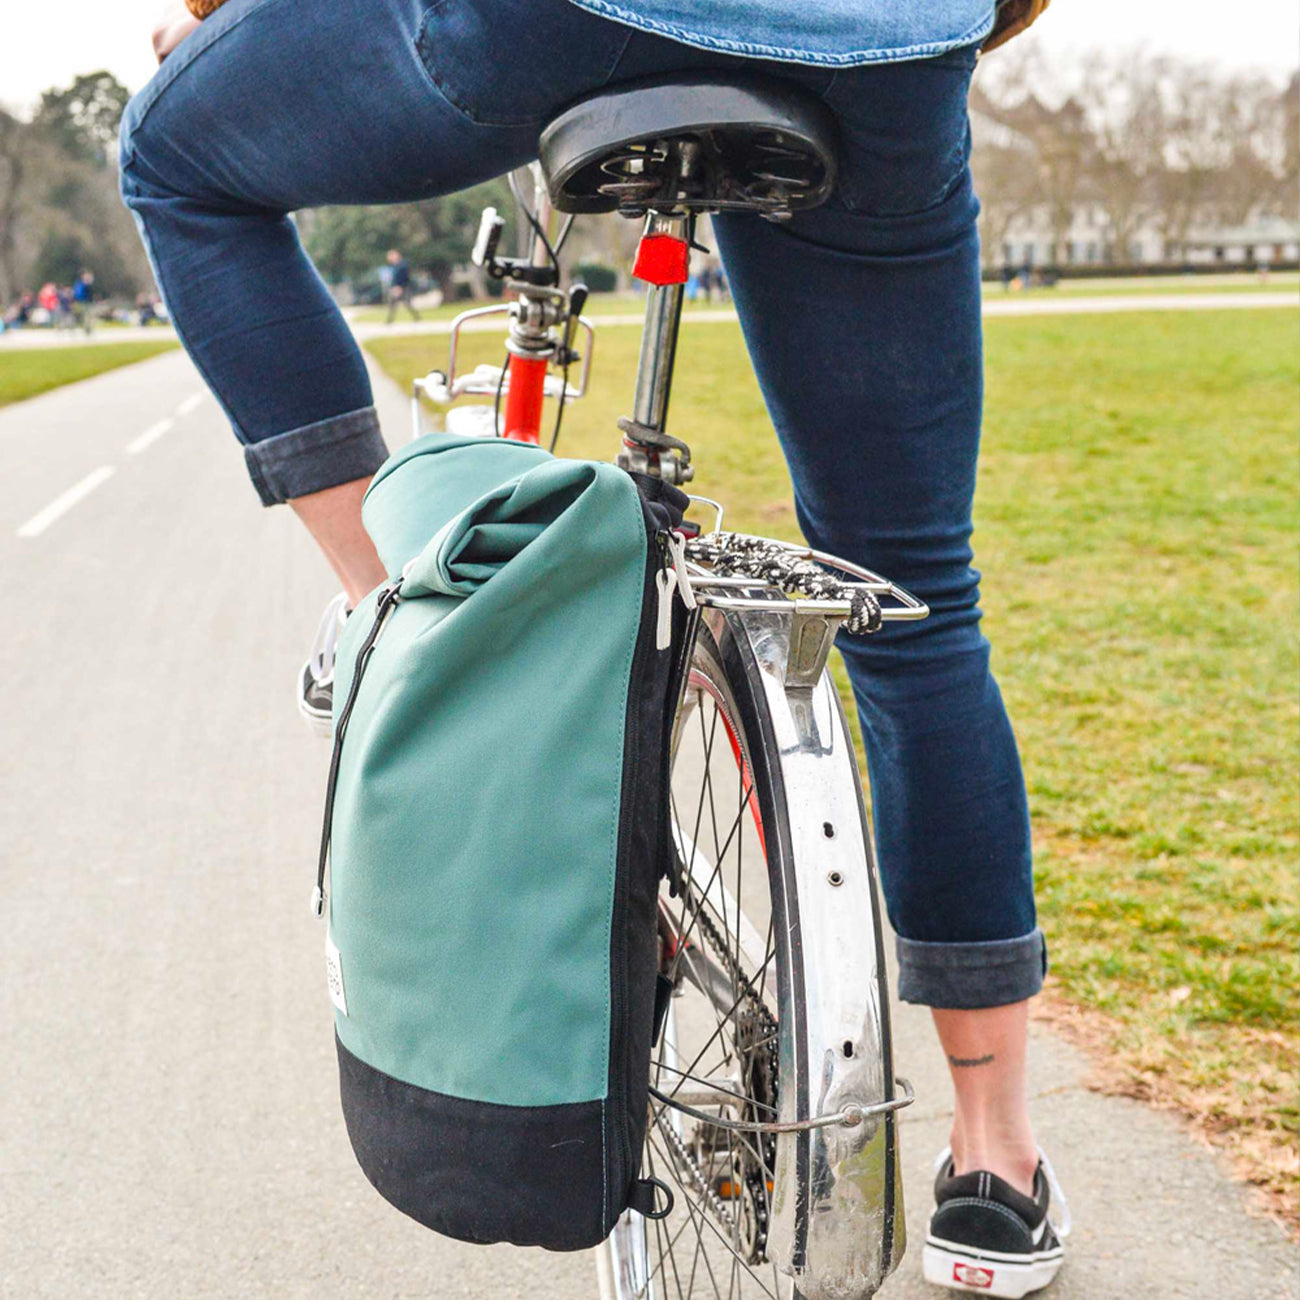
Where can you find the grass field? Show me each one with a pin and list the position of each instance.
(617, 303)
(1136, 529)
(600, 304)
(1277, 282)
(31, 371)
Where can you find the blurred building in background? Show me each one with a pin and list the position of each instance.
(1134, 162)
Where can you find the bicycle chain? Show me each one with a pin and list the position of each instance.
(743, 556)
(711, 1198)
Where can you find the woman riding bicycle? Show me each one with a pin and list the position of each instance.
(862, 318)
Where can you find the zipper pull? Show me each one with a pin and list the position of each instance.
(665, 581)
(677, 548)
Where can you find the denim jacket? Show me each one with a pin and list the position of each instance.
(833, 32)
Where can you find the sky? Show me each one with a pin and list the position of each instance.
(45, 43)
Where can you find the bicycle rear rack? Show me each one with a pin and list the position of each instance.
(856, 605)
(908, 609)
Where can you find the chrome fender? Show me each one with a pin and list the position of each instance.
(836, 1051)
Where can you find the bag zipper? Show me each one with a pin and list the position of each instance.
(384, 606)
(659, 570)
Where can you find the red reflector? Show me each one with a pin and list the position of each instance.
(662, 259)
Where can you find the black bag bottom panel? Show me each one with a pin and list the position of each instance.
(476, 1171)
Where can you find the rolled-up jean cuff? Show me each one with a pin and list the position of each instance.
(316, 456)
(968, 976)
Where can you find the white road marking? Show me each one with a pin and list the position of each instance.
(148, 437)
(189, 404)
(60, 506)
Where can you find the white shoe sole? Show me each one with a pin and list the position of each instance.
(950, 1266)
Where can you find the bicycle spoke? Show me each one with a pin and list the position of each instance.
(753, 1101)
(691, 1222)
(717, 1018)
(717, 868)
(730, 1012)
(732, 831)
(718, 1042)
(705, 790)
(660, 1229)
(707, 1221)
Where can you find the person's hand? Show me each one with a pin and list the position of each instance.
(172, 28)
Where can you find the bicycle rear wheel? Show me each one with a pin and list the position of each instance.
(735, 1039)
(718, 1047)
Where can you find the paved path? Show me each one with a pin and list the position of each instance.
(170, 1125)
(993, 306)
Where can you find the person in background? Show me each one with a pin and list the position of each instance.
(399, 285)
(20, 313)
(47, 301)
(83, 295)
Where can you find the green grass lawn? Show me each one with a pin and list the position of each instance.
(28, 371)
(600, 304)
(605, 304)
(1281, 282)
(1136, 527)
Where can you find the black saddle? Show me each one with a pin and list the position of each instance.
(702, 143)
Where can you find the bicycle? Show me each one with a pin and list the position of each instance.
(773, 1101)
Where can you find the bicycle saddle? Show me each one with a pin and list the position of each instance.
(703, 143)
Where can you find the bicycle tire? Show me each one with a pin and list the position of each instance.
(721, 1222)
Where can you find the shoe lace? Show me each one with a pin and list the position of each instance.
(321, 660)
(1058, 1208)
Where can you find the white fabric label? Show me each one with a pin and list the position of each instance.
(334, 974)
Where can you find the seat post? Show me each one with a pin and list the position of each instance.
(663, 313)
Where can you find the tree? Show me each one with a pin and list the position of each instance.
(16, 164)
(1288, 121)
(1121, 98)
(1146, 140)
(1006, 181)
(59, 207)
(1003, 163)
(1199, 142)
(435, 235)
(83, 119)
(1059, 147)
(1275, 144)
(447, 227)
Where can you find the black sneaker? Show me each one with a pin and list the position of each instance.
(315, 691)
(988, 1238)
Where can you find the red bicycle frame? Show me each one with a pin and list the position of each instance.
(526, 388)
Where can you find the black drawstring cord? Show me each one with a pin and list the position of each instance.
(386, 603)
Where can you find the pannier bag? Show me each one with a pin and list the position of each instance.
(496, 826)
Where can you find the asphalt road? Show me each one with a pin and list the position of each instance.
(170, 1125)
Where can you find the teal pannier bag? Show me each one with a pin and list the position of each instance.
(496, 828)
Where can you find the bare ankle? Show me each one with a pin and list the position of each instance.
(333, 516)
(1014, 1162)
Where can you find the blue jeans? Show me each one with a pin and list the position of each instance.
(862, 319)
